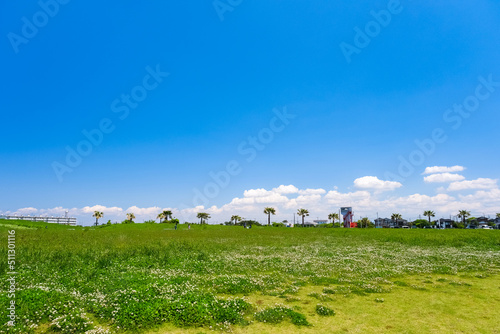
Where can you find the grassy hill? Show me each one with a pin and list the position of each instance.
(142, 277)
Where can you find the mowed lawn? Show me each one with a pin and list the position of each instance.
(150, 278)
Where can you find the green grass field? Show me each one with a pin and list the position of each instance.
(150, 278)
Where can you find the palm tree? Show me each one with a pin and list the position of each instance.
(463, 214)
(236, 219)
(302, 213)
(167, 214)
(498, 215)
(130, 216)
(396, 217)
(97, 215)
(333, 217)
(269, 211)
(203, 217)
(429, 214)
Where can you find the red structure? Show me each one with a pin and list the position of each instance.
(348, 217)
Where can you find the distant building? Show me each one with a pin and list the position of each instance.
(482, 221)
(388, 222)
(54, 220)
(320, 221)
(445, 223)
(382, 222)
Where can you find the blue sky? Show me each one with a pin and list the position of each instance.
(65, 64)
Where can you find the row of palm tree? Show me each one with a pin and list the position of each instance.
(272, 211)
(98, 215)
(203, 216)
(461, 214)
(429, 213)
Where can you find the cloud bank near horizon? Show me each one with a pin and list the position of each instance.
(373, 197)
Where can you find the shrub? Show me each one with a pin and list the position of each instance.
(324, 311)
(249, 222)
(126, 221)
(150, 222)
(275, 315)
(322, 297)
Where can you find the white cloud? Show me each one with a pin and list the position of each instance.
(443, 178)
(272, 198)
(318, 191)
(481, 183)
(341, 199)
(153, 211)
(310, 199)
(26, 211)
(290, 189)
(257, 192)
(374, 183)
(443, 169)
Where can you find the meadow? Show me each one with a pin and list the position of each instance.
(150, 278)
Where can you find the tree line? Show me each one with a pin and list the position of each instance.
(166, 216)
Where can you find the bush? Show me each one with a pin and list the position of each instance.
(277, 314)
(278, 224)
(249, 222)
(150, 222)
(126, 221)
(421, 223)
(324, 311)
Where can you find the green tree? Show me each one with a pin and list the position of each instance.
(364, 222)
(168, 214)
(463, 214)
(269, 211)
(333, 217)
(303, 213)
(396, 217)
(131, 217)
(97, 215)
(203, 217)
(236, 219)
(421, 223)
(429, 214)
(498, 215)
